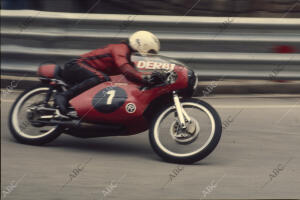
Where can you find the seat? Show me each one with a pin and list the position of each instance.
(49, 71)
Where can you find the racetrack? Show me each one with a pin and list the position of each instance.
(257, 157)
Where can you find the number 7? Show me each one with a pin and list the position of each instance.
(111, 96)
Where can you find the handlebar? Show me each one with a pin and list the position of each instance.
(170, 77)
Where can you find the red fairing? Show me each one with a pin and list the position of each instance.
(47, 70)
(122, 102)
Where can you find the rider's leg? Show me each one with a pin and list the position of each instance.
(82, 78)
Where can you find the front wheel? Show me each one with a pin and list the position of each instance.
(191, 144)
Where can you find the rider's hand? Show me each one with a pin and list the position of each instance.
(157, 78)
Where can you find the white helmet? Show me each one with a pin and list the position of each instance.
(144, 42)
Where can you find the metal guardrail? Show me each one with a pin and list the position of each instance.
(213, 46)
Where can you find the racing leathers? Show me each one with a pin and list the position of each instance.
(95, 67)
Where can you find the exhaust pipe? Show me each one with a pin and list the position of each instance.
(87, 130)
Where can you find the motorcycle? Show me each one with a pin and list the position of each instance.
(181, 129)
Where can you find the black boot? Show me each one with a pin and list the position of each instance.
(63, 98)
(61, 101)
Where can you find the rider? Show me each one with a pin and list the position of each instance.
(95, 67)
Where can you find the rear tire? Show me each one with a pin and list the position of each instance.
(191, 158)
(15, 126)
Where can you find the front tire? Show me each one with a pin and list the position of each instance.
(167, 152)
(22, 131)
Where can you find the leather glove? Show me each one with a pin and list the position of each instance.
(157, 78)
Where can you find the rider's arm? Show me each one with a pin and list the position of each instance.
(120, 56)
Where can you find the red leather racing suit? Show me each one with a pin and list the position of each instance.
(92, 68)
(113, 59)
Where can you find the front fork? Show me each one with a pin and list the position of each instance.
(182, 115)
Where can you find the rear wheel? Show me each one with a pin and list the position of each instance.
(191, 144)
(23, 115)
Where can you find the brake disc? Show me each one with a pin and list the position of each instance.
(186, 135)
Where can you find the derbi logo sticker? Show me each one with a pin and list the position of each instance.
(154, 65)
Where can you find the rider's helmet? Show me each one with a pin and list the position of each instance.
(144, 42)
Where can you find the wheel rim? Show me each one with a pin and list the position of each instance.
(164, 147)
(22, 128)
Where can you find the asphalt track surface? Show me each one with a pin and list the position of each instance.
(257, 157)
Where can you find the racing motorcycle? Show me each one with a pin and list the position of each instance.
(181, 129)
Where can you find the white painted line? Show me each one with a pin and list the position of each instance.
(255, 106)
(7, 77)
(15, 91)
(7, 100)
(226, 96)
